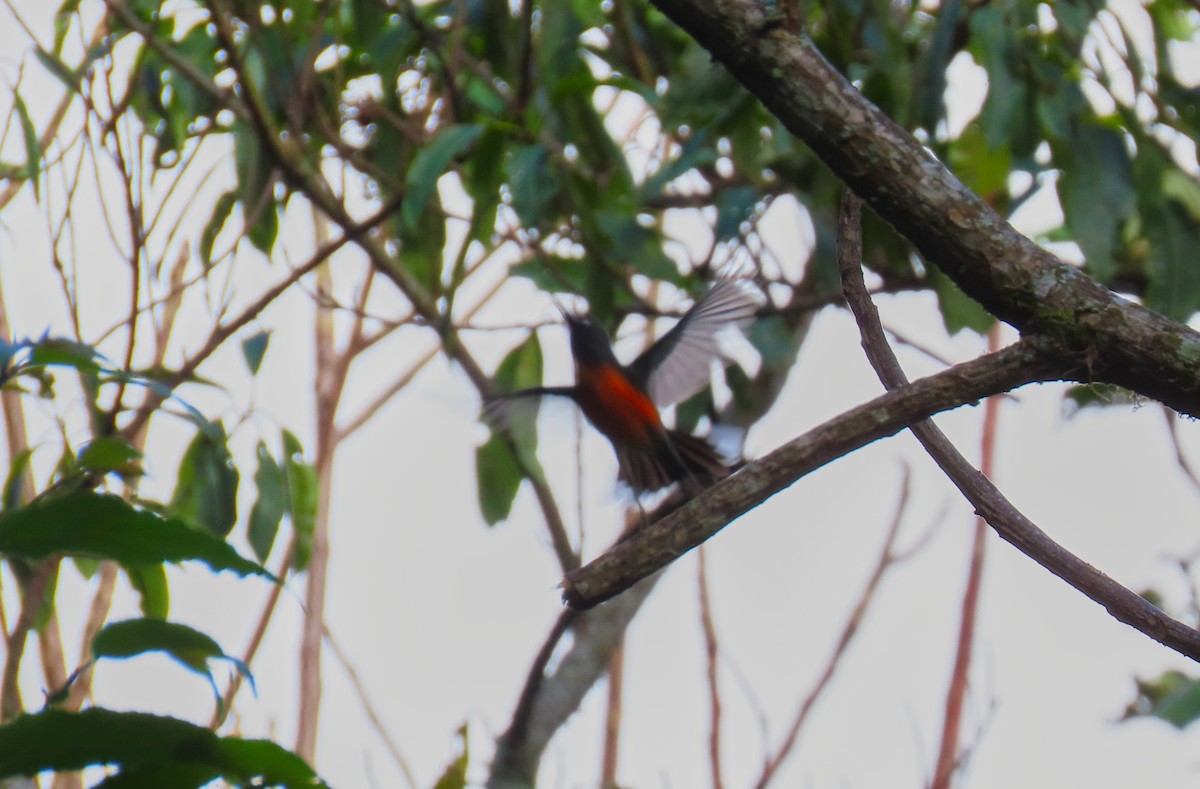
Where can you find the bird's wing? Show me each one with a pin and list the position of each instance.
(679, 364)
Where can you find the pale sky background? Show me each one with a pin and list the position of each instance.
(441, 616)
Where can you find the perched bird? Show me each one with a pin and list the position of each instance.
(623, 401)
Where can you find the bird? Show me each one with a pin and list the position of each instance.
(623, 402)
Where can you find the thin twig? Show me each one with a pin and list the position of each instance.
(888, 557)
(948, 752)
(711, 665)
(1012, 525)
(364, 698)
(1181, 457)
(611, 750)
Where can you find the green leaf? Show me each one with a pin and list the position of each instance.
(455, 775)
(206, 489)
(188, 647)
(265, 229)
(13, 494)
(161, 751)
(150, 582)
(106, 527)
(498, 475)
(253, 170)
(959, 311)
(58, 351)
(33, 148)
(428, 166)
(130, 637)
(1007, 118)
(531, 183)
(521, 368)
(221, 211)
(1173, 697)
(62, 23)
(775, 341)
(498, 479)
(630, 242)
(270, 506)
(553, 274)
(253, 350)
(422, 247)
(734, 206)
(54, 64)
(984, 170)
(696, 152)
(302, 490)
(1097, 194)
(110, 454)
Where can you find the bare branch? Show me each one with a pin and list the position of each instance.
(948, 752)
(1010, 275)
(989, 502)
(711, 665)
(665, 540)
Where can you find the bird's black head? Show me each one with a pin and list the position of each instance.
(589, 343)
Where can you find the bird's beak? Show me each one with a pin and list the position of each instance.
(570, 318)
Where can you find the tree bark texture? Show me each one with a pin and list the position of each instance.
(1114, 340)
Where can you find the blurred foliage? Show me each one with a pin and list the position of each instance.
(1173, 697)
(576, 129)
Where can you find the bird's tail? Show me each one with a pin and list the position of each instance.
(679, 457)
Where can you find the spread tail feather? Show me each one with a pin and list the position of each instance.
(680, 457)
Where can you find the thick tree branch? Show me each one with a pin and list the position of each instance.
(1011, 276)
(988, 501)
(667, 539)
(549, 699)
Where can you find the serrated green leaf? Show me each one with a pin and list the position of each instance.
(269, 507)
(206, 489)
(302, 491)
(253, 350)
(107, 527)
(59, 351)
(428, 166)
(130, 637)
(173, 752)
(150, 582)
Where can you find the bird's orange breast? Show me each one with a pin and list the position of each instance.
(616, 406)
